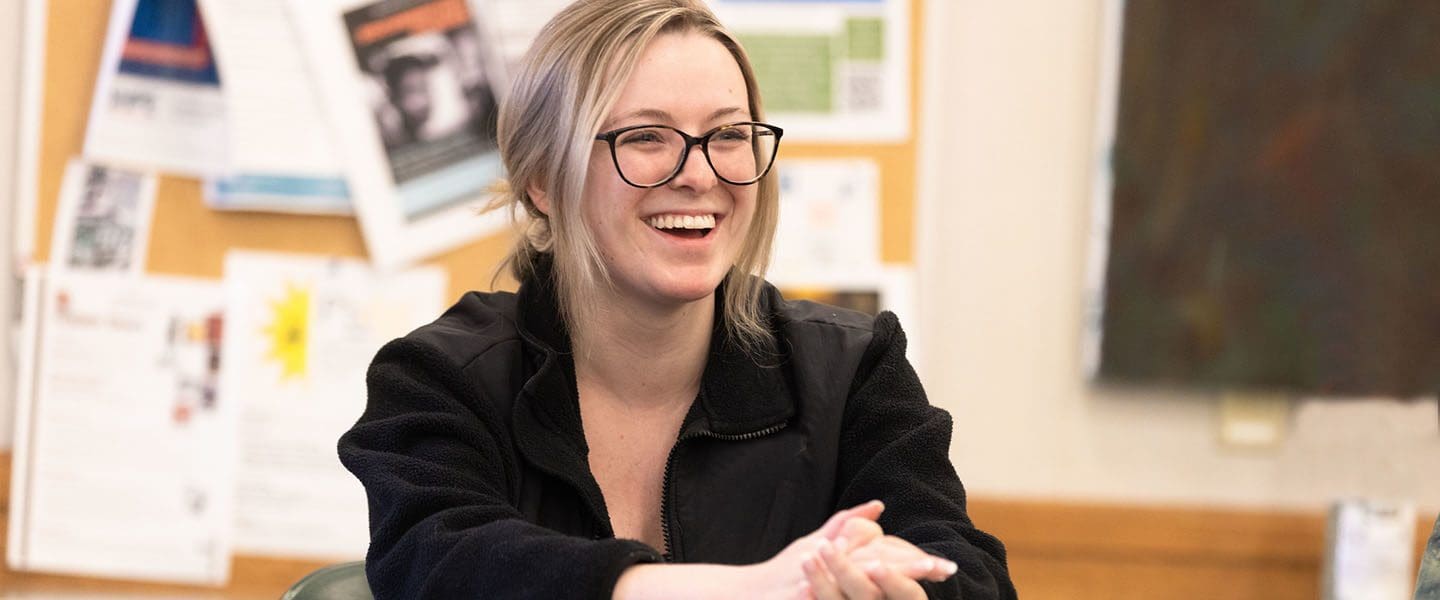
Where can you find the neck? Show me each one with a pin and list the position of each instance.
(645, 356)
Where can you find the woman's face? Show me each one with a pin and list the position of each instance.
(690, 82)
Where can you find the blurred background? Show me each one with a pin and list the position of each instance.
(1166, 264)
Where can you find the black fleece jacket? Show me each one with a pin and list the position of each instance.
(473, 456)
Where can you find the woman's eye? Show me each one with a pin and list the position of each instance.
(733, 135)
(641, 137)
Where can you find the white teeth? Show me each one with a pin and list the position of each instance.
(682, 221)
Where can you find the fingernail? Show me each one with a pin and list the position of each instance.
(949, 567)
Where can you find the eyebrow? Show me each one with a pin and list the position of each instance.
(666, 117)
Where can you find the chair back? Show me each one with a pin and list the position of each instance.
(345, 581)
(1427, 582)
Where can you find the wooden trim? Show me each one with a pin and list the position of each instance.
(1077, 550)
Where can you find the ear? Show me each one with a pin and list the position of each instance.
(539, 198)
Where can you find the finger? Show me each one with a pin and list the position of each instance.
(894, 585)
(932, 569)
(859, 532)
(822, 584)
(909, 564)
(911, 560)
(854, 582)
(869, 510)
(944, 568)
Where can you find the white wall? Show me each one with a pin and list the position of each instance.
(10, 22)
(1010, 105)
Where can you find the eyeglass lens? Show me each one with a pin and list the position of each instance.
(739, 153)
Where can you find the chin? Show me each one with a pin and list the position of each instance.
(690, 288)
(688, 293)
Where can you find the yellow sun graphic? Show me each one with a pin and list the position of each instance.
(288, 331)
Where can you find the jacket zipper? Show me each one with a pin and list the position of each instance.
(670, 461)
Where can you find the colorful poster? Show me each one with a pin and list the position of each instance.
(157, 101)
(411, 88)
(123, 462)
(830, 70)
(434, 109)
(300, 334)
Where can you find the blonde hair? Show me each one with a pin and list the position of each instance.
(566, 85)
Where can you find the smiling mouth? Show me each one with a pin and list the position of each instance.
(683, 226)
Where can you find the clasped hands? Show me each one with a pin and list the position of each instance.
(851, 558)
(847, 558)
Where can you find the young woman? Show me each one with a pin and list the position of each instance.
(646, 417)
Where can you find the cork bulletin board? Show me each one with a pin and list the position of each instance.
(188, 238)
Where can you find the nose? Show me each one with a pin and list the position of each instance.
(696, 174)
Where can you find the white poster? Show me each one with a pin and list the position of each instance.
(829, 217)
(1097, 245)
(411, 88)
(102, 219)
(123, 461)
(300, 333)
(282, 154)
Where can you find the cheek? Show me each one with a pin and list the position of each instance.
(746, 204)
(599, 197)
(607, 210)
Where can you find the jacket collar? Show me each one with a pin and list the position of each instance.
(739, 394)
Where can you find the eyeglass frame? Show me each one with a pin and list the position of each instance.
(691, 141)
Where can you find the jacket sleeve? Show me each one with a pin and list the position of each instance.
(895, 447)
(437, 478)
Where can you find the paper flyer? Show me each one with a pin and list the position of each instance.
(300, 333)
(411, 88)
(123, 461)
(159, 106)
(102, 219)
(279, 193)
(830, 71)
(282, 154)
(829, 217)
(157, 102)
